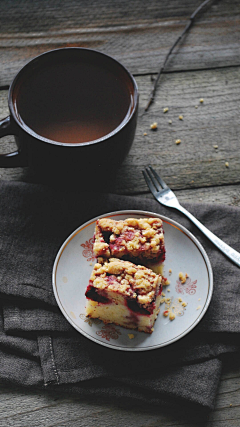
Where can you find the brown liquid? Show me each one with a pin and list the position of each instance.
(72, 102)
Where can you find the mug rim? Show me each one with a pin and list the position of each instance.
(31, 132)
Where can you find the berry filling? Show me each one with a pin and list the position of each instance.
(93, 294)
(134, 306)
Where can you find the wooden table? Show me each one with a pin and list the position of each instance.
(205, 166)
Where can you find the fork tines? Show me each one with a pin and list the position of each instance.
(153, 180)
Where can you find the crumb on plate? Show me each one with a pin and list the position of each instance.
(182, 277)
(130, 336)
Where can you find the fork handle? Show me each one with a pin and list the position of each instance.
(227, 250)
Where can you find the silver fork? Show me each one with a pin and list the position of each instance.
(166, 197)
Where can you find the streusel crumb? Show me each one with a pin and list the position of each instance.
(153, 126)
(182, 277)
(130, 336)
(135, 281)
(130, 239)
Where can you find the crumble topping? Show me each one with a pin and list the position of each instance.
(132, 238)
(130, 280)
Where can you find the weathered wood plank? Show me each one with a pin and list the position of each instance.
(139, 36)
(228, 195)
(193, 163)
(23, 408)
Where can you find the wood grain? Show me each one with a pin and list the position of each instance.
(205, 65)
(137, 35)
(21, 408)
(194, 163)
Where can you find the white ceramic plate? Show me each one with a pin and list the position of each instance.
(73, 267)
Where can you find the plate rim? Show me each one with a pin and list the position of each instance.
(145, 213)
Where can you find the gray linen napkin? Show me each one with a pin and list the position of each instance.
(34, 222)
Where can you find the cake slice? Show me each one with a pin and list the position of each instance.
(123, 293)
(137, 240)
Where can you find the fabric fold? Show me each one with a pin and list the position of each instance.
(40, 348)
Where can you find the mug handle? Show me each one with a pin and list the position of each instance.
(16, 158)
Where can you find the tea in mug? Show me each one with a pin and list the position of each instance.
(73, 102)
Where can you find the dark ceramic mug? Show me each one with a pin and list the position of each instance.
(71, 109)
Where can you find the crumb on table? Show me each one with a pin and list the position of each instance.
(153, 126)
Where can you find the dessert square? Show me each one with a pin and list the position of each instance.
(137, 240)
(123, 293)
